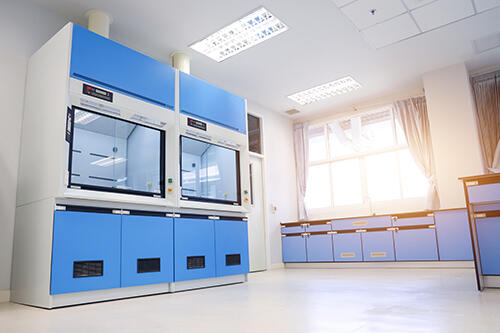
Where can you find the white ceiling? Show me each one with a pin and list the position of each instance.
(328, 39)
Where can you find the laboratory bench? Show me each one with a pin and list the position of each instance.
(441, 235)
(482, 194)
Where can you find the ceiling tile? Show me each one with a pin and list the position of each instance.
(360, 11)
(482, 5)
(412, 4)
(442, 12)
(391, 31)
(341, 3)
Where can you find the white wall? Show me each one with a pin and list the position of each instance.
(24, 27)
(454, 132)
(279, 174)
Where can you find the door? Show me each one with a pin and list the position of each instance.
(85, 252)
(256, 222)
(294, 248)
(231, 247)
(378, 246)
(194, 249)
(319, 248)
(147, 250)
(416, 245)
(347, 247)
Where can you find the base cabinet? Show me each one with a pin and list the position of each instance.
(319, 248)
(231, 248)
(347, 247)
(488, 233)
(294, 248)
(416, 245)
(85, 252)
(147, 250)
(378, 246)
(453, 234)
(194, 249)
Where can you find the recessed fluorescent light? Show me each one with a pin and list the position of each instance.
(327, 90)
(84, 118)
(108, 161)
(240, 35)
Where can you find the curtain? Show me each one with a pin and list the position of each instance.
(301, 149)
(412, 115)
(487, 95)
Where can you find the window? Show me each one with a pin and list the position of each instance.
(209, 172)
(359, 160)
(115, 155)
(254, 134)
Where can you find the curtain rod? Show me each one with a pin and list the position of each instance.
(382, 104)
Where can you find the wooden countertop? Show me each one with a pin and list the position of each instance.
(398, 215)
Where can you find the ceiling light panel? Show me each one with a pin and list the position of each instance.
(366, 13)
(248, 31)
(325, 91)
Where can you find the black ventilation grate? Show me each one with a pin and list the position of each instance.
(148, 265)
(233, 259)
(87, 268)
(196, 262)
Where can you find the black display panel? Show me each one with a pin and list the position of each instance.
(98, 93)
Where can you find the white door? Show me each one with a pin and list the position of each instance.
(256, 224)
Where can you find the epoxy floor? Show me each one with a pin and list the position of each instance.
(292, 300)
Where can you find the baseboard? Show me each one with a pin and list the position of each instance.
(491, 281)
(278, 265)
(4, 296)
(399, 264)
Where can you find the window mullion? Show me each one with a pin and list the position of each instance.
(398, 161)
(364, 181)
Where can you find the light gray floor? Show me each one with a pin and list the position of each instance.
(292, 300)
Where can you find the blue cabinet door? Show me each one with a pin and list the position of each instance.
(362, 223)
(292, 230)
(85, 252)
(416, 245)
(194, 249)
(319, 248)
(207, 102)
(294, 248)
(378, 246)
(347, 247)
(147, 250)
(488, 236)
(231, 247)
(407, 221)
(101, 61)
(453, 234)
(484, 193)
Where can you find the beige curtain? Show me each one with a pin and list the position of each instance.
(487, 95)
(301, 149)
(412, 115)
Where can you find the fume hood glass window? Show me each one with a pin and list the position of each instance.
(209, 172)
(110, 154)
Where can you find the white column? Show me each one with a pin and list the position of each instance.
(181, 61)
(454, 132)
(99, 22)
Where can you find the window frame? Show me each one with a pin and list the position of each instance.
(367, 205)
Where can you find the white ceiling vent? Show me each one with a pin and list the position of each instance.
(292, 112)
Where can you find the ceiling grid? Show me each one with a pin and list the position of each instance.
(387, 22)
